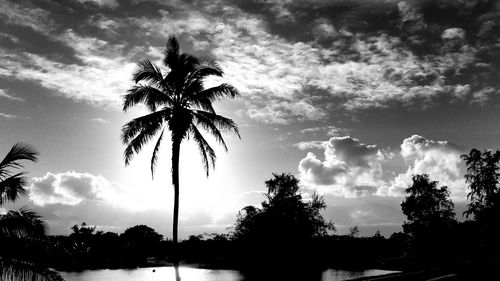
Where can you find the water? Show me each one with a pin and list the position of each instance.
(168, 273)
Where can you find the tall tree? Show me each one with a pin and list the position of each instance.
(483, 179)
(178, 103)
(22, 224)
(430, 216)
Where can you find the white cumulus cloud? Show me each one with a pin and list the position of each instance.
(70, 188)
(439, 159)
(350, 168)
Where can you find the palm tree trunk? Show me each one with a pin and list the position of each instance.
(176, 145)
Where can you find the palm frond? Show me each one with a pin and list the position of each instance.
(209, 126)
(145, 135)
(21, 224)
(154, 158)
(151, 121)
(19, 151)
(221, 122)
(193, 83)
(12, 188)
(185, 65)
(148, 95)
(203, 104)
(204, 148)
(148, 72)
(217, 92)
(188, 63)
(203, 71)
(209, 61)
(14, 270)
(171, 53)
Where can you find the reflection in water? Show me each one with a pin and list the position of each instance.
(177, 275)
(172, 273)
(159, 274)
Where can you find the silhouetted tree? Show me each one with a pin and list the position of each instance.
(82, 238)
(285, 215)
(354, 231)
(23, 224)
(178, 103)
(141, 240)
(430, 216)
(483, 179)
(284, 227)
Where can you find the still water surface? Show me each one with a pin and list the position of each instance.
(168, 273)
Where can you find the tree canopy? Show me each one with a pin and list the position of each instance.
(483, 179)
(285, 215)
(430, 216)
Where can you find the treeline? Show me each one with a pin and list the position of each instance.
(289, 230)
(285, 230)
(434, 236)
(141, 246)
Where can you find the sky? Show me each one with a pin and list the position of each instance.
(351, 97)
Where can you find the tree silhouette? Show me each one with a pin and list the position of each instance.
(22, 224)
(483, 179)
(284, 216)
(178, 103)
(141, 241)
(430, 216)
(282, 231)
(354, 231)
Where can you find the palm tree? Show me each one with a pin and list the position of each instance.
(177, 102)
(22, 224)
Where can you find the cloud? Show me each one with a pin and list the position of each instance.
(350, 168)
(102, 3)
(99, 120)
(101, 80)
(8, 116)
(35, 18)
(453, 33)
(304, 145)
(70, 188)
(324, 67)
(439, 159)
(276, 76)
(483, 95)
(328, 130)
(412, 21)
(68, 198)
(3, 94)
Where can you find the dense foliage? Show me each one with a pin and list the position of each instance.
(483, 179)
(430, 218)
(22, 232)
(285, 225)
(87, 248)
(284, 216)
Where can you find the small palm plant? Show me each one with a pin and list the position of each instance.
(178, 103)
(22, 224)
